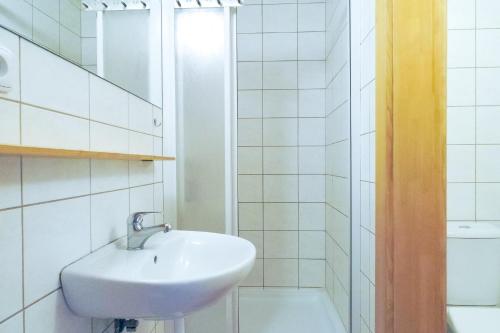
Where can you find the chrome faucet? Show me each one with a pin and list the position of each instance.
(137, 234)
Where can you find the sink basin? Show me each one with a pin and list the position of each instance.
(175, 274)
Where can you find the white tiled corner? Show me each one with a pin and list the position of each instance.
(58, 84)
(51, 315)
(11, 262)
(311, 45)
(312, 103)
(108, 103)
(311, 131)
(312, 160)
(46, 179)
(59, 230)
(108, 224)
(10, 127)
(10, 178)
(311, 74)
(311, 188)
(281, 216)
(66, 132)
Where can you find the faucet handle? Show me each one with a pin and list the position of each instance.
(138, 217)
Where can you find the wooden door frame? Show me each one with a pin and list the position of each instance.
(411, 166)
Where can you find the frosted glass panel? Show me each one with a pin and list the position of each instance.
(200, 112)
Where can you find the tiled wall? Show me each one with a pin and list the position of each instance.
(367, 164)
(281, 153)
(338, 166)
(55, 211)
(473, 110)
(54, 24)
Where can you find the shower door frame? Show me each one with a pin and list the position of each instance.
(411, 166)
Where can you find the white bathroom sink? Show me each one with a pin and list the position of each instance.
(175, 274)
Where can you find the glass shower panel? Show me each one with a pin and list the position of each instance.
(200, 114)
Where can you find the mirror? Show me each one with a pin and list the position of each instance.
(119, 40)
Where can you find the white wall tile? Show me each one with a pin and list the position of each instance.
(281, 244)
(108, 224)
(488, 86)
(250, 104)
(461, 163)
(57, 85)
(487, 129)
(141, 115)
(18, 16)
(10, 178)
(108, 103)
(142, 200)
(280, 188)
(59, 231)
(256, 277)
(311, 46)
(312, 244)
(312, 216)
(461, 87)
(249, 47)
(66, 132)
(250, 216)
(461, 125)
(157, 121)
(46, 179)
(488, 163)
(109, 175)
(280, 103)
(89, 51)
(139, 143)
(280, 18)
(280, 160)
(10, 127)
(280, 75)
(46, 31)
(311, 131)
(71, 45)
(13, 325)
(108, 138)
(281, 272)
(11, 260)
(250, 132)
(311, 188)
(249, 19)
(488, 46)
(461, 48)
(461, 199)
(51, 315)
(280, 132)
(461, 14)
(249, 188)
(250, 160)
(487, 14)
(311, 17)
(11, 42)
(312, 160)
(249, 75)
(281, 216)
(312, 103)
(487, 205)
(279, 46)
(311, 74)
(312, 273)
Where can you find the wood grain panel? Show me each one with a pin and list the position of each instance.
(411, 166)
(68, 153)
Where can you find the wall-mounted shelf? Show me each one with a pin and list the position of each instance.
(68, 153)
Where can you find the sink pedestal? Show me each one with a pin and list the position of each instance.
(179, 325)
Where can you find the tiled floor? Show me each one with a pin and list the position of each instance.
(284, 310)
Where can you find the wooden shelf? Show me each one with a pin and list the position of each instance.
(68, 153)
